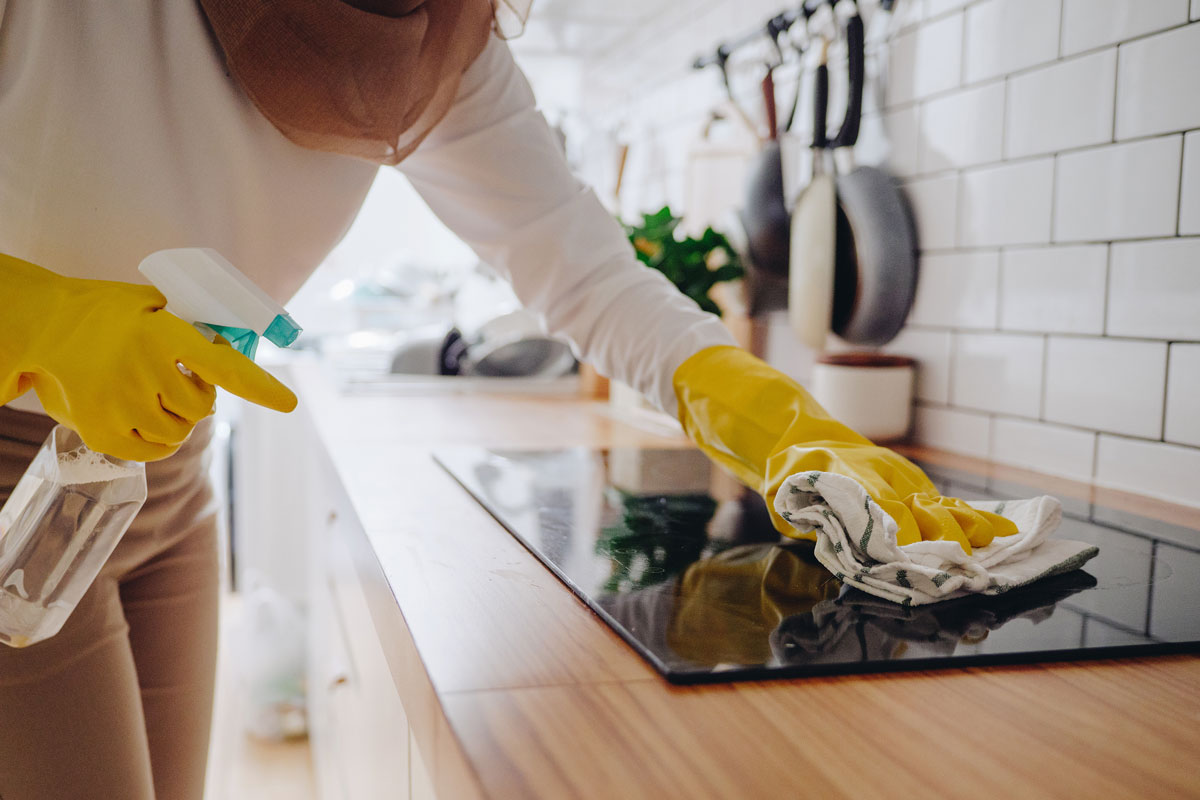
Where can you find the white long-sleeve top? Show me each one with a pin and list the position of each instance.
(121, 133)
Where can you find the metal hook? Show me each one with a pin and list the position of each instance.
(722, 61)
(776, 27)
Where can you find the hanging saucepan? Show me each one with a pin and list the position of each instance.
(764, 215)
(876, 268)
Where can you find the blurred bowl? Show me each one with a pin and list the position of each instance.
(531, 356)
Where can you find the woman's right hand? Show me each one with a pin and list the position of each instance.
(103, 358)
(764, 427)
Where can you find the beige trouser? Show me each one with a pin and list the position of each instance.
(118, 704)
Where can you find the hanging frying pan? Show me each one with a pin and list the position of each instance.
(876, 265)
(764, 215)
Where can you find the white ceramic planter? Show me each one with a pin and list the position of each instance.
(870, 392)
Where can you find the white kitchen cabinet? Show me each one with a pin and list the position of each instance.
(297, 527)
(360, 733)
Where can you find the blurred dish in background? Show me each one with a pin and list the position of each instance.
(509, 346)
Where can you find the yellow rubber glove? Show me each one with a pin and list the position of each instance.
(102, 358)
(763, 427)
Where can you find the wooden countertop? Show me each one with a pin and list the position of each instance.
(514, 689)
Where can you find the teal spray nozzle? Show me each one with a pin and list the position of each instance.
(209, 292)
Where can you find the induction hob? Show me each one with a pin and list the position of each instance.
(687, 569)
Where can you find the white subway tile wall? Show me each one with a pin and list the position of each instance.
(935, 62)
(1119, 191)
(1050, 150)
(905, 15)
(1183, 394)
(1010, 204)
(1189, 195)
(957, 431)
(902, 68)
(1065, 105)
(1054, 289)
(902, 127)
(931, 349)
(998, 372)
(957, 290)
(935, 8)
(1093, 23)
(1112, 385)
(1154, 289)
(963, 128)
(1154, 468)
(888, 140)
(935, 206)
(1008, 35)
(1044, 447)
(1156, 83)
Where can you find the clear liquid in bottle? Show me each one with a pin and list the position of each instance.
(60, 525)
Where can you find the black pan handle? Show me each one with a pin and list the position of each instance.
(847, 135)
(820, 106)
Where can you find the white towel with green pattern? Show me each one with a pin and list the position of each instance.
(856, 541)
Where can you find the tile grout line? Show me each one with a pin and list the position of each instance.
(1066, 151)
(1043, 244)
(1005, 116)
(1162, 423)
(1062, 27)
(927, 327)
(952, 369)
(1054, 175)
(1108, 257)
(991, 445)
(1116, 91)
(1003, 416)
(962, 51)
(1179, 188)
(1089, 52)
(998, 326)
(1045, 377)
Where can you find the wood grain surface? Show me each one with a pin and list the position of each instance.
(1110, 729)
(519, 691)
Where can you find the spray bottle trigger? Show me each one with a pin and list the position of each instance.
(244, 340)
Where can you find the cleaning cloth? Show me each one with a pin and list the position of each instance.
(856, 540)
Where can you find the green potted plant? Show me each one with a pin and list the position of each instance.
(693, 265)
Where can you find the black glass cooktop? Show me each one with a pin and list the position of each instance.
(686, 568)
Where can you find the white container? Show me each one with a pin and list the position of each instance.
(870, 392)
(60, 525)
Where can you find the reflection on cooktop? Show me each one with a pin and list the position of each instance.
(686, 567)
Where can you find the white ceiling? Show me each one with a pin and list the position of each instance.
(608, 11)
(582, 29)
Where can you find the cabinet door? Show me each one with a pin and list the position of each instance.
(375, 738)
(329, 682)
(359, 730)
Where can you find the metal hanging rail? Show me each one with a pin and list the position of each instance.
(773, 28)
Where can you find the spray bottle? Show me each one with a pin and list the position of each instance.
(73, 505)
